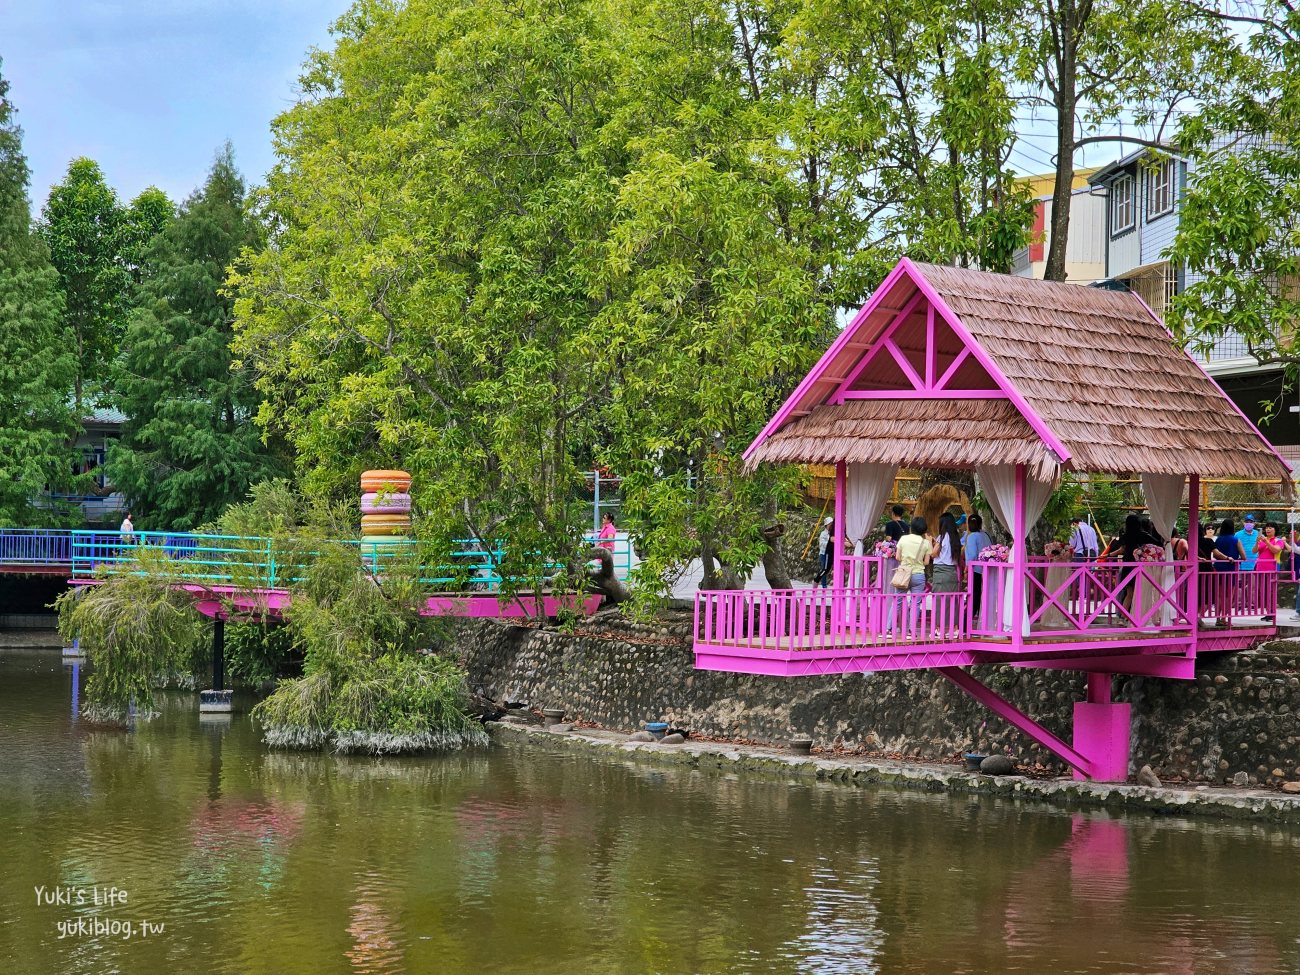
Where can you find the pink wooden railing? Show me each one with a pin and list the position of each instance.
(1076, 598)
(1237, 593)
(809, 619)
(862, 572)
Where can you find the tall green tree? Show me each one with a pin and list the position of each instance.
(82, 225)
(535, 235)
(426, 298)
(189, 446)
(1117, 73)
(1239, 229)
(142, 221)
(37, 366)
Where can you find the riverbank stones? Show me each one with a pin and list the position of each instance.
(641, 736)
(672, 739)
(1146, 776)
(997, 765)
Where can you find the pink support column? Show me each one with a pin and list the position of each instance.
(1019, 559)
(837, 537)
(1193, 559)
(1102, 731)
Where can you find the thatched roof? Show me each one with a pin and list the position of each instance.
(1092, 381)
(927, 433)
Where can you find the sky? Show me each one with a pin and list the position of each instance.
(150, 89)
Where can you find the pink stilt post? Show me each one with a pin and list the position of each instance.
(1102, 731)
(1019, 559)
(1193, 560)
(837, 537)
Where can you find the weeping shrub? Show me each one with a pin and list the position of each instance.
(138, 632)
(370, 683)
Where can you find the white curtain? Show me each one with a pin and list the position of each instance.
(998, 482)
(1164, 494)
(867, 487)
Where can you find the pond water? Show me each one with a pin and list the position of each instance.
(517, 860)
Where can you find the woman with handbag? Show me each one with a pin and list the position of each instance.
(908, 580)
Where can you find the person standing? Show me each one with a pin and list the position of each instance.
(896, 527)
(913, 555)
(608, 532)
(1229, 553)
(1083, 540)
(1249, 539)
(976, 541)
(825, 551)
(127, 530)
(947, 556)
(1269, 552)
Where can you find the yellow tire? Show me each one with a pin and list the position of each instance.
(385, 524)
(392, 482)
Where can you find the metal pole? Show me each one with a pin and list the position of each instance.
(218, 654)
(595, 505)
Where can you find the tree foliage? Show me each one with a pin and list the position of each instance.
(189, 447)
(83, 225)
(37, 367)
(536, 236)
(1238, 230)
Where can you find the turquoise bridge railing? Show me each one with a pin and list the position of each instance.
(255, 563)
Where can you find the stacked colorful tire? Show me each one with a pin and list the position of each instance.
(385, 509)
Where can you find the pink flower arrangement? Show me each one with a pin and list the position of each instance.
(995, 553)
(1149, 553)
(886, 549)
(1060, 551)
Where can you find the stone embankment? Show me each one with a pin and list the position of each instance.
(1236, 723)
(1203, 800)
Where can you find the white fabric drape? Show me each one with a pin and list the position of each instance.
(1164, 495)
(998, 483)
(865, 491)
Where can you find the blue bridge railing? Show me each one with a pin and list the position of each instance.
(247, 561)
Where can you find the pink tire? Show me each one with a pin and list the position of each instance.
(376, 503)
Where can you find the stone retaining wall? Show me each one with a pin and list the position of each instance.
(1238, 716)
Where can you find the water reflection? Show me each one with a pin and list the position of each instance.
(514, 860)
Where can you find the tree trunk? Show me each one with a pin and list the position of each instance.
(1071, 18)
(716, 574)
(603, 580)
(778, 577)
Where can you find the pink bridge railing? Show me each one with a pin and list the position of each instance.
(809, 619)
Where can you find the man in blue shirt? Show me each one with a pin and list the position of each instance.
(1249, 542)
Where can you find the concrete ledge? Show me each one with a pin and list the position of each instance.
(1223, 803)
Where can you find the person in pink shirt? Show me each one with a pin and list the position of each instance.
(607, 532)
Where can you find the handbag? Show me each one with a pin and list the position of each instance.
(902, 578)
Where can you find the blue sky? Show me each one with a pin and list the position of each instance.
(151, 88)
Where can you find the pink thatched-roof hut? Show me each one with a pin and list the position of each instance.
(1022, 381)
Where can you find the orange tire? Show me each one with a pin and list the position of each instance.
(390, 481)
(385, 524)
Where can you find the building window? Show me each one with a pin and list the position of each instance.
(1121, 205)
(1160, 189)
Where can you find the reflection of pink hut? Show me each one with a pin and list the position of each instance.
(1021, 381)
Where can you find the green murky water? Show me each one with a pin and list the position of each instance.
(510, 860)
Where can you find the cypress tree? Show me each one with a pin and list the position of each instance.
(37, 367)
(189, 447)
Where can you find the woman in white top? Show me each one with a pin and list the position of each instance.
(946, 552)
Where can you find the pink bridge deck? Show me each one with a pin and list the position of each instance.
(225, 600)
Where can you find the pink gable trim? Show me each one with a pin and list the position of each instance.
(1231, 402)
(792, 402)
(800, 401)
